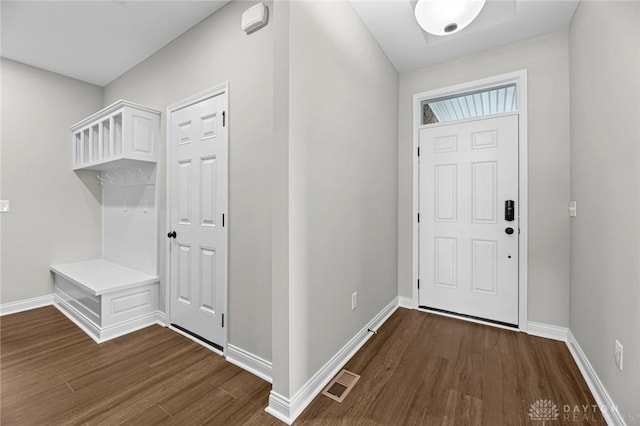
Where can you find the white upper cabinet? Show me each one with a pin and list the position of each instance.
(117, 136)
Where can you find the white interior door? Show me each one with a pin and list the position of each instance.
(468, 258)
(198, 205)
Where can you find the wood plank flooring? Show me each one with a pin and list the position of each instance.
(53, 373)
(419, 369)
(426, 369)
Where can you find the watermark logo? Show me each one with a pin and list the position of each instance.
(543, 410)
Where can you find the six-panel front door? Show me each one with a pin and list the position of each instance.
(198, 204)
(468, 248)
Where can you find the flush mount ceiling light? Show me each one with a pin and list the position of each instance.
(443, 17)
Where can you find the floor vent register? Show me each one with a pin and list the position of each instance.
(341, 385)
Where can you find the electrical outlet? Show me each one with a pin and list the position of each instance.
(572, 209)
(4, 206)
(354, 301)
(618, 353)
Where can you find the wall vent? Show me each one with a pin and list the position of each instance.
(341, 385)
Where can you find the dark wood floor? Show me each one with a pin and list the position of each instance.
(426, 369)
(419, 369)
(53, 373)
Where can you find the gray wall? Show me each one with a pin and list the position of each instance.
(213, 52)
(280, 200)
(342, 181)
(605, 182)
(55, 213)
(546, 59)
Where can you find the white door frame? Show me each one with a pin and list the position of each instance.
(520, 80)
(222, 89)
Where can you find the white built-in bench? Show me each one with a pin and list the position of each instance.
(105, 299)
(109, 298)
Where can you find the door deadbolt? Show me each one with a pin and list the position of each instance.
(509, 210)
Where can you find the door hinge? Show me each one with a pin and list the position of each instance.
(418, 283)
(222, 320)
(224, 118)
(418, 217)
(223, 220)
(418, 151)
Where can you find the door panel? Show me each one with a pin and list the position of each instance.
(468, 264)
(207, 191)
(198, 199)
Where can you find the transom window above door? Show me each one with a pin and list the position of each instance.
(462, 106)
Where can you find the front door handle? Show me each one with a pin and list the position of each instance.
(508, 231)
(171, 234)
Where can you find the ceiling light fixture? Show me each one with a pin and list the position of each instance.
(444, 17)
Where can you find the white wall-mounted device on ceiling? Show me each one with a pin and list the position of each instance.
(255, 18)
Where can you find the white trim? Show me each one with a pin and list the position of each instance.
(26, 304)
(161, 318)
(109, 109)
(468, 120)
(250, 362)
(406, 302)
(209, 93)
(100, 335)
(214, 91)
(610, 412)
(78, 319)
(548, 331)
(279, 407)
(287, 409)
(520, 79)
(523, 210)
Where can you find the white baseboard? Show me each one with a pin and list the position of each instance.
(288, 410)
(547, 330)
(608, 408)
(407, 302)
(77, 318)
(250, 362)
(279, 407)
(103, 334)
(25, 305)
(161, 318)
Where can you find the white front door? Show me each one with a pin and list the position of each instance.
(198, 206)
(468, 247)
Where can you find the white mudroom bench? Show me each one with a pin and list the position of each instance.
(105, 299)
(117, 293)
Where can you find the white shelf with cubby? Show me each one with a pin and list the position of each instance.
(117, 293)
(117, 136)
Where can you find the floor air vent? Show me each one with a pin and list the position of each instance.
(341, 385)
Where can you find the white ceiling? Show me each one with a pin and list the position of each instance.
(95, 41)
(393, 24)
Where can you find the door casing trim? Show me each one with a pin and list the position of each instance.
(210, 93)
(520, 80)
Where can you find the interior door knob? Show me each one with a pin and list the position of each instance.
(171, 234)
(509, 231)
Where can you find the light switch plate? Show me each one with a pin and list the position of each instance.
(618, 351)
(572, 209)
(4, 206)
